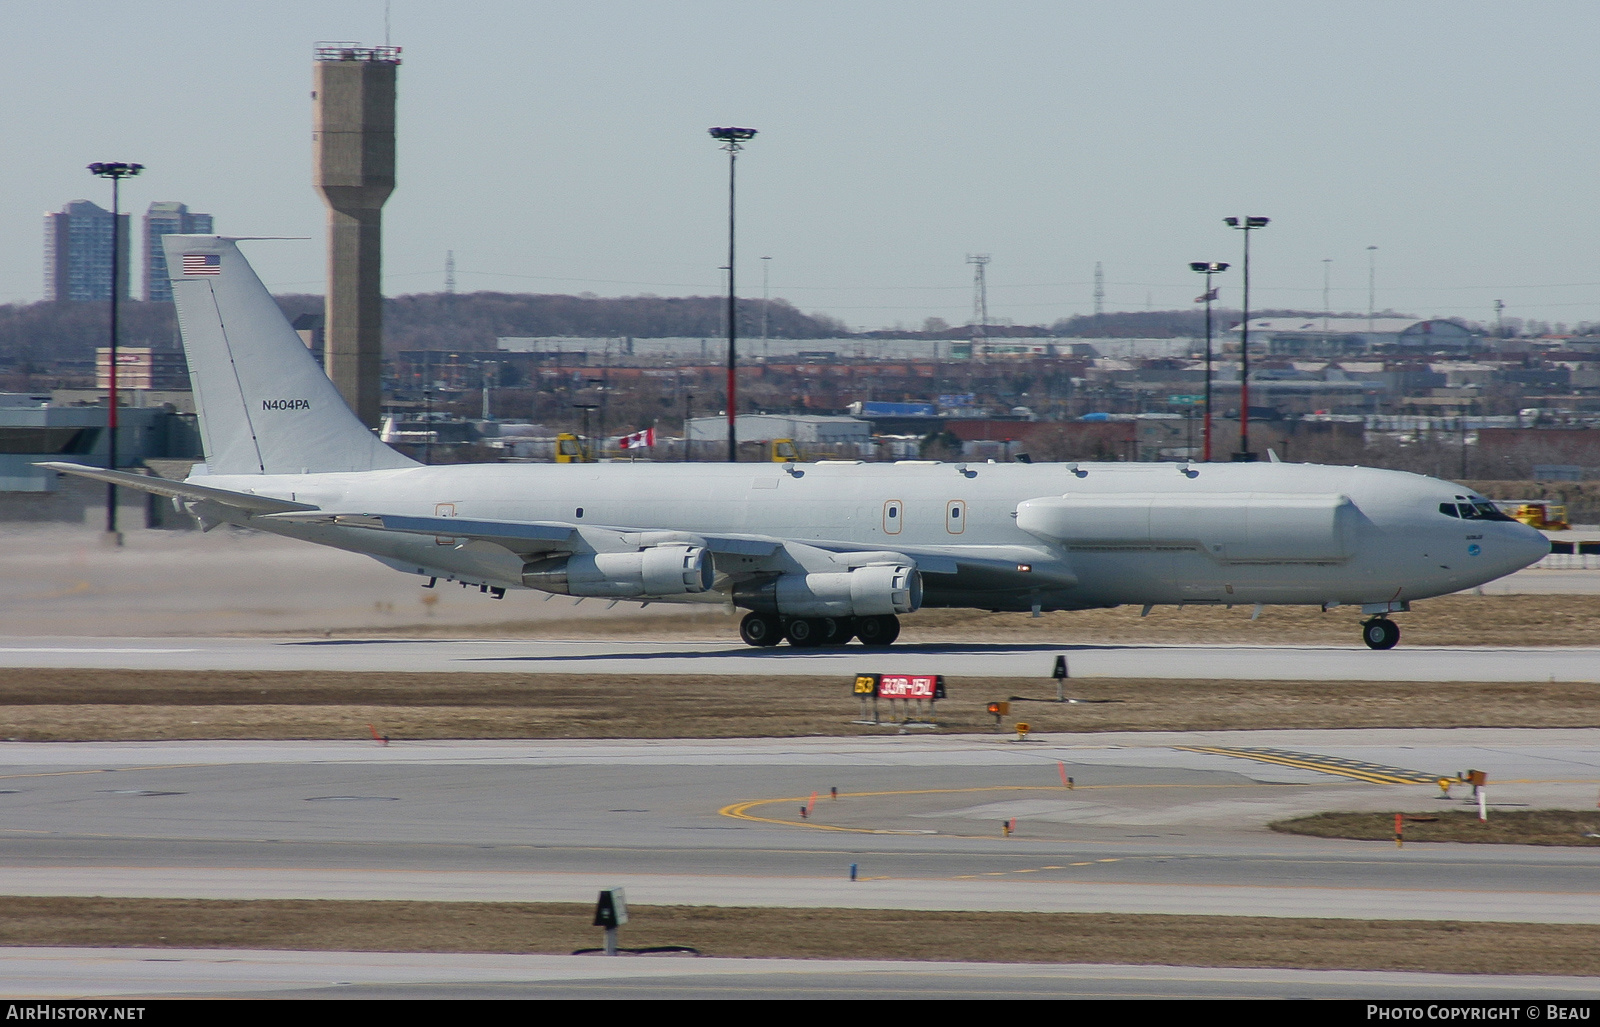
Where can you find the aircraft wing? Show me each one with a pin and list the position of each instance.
(531, 538)
(179, 490)
(739, 556)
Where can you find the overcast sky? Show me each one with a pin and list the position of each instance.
(562, 147)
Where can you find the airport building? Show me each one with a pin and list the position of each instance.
(1347, 336)
(142, 367)
(77, 253)
(166, 217)
(38, 427)
(767, 427)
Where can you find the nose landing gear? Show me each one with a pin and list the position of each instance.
(1380, 633)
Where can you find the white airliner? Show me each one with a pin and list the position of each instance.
(817, 553)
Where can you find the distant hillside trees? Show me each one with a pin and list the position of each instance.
(46, 333)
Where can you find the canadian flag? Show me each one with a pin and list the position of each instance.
(638, 440)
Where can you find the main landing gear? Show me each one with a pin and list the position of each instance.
(1380, 633)
(765, 629)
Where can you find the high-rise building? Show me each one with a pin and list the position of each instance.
(77, 253)
(166, 217)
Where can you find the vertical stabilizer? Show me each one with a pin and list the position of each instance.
(265, 406)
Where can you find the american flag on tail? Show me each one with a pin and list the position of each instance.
(638, 440)
(202, 263)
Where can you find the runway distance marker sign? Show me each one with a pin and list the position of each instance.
(900, 686)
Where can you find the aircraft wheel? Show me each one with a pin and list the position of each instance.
(878, 631)
(760, 629)
(1380, 633)
(833, 631)
(806, 632)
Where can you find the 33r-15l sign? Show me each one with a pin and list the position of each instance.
(901, 686)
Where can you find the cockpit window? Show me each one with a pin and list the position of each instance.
(1475, 509)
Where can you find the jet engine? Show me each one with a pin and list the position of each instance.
(655, 571)
(873, 590)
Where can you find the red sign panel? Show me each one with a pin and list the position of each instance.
(908, 686)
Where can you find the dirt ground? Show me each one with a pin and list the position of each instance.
(126, 705)
(1465, 619)
(1444, 947)
(1514, 827)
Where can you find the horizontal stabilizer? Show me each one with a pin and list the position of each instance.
(179, 489)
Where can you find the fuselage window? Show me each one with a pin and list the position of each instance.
(893, 516)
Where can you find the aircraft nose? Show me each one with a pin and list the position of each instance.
(1527, 545)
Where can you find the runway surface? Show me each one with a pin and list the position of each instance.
(1241, 662)
(1168, 823)
(170, 973)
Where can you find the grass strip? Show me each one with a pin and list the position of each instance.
(128, 705)
(383, 926)
(1557, 619)
(1513, 827)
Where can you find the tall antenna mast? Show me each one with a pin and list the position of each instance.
(980, 296)
(450, 272)
(1099, 289)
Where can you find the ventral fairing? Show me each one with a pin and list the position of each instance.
(818, 553)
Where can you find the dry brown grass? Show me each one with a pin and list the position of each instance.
(1514, 827)
(1449, 620)
(1451, 946)
(85, 705)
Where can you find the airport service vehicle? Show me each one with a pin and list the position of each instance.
(1540, 513)
(817, 553)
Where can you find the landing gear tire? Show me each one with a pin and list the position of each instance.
(832, 631)
(808, 632)
(878, 632)
(760, 629)
(1380, 633)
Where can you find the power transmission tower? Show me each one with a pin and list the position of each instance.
(980, 296)
(450, 272)
(1099, 289)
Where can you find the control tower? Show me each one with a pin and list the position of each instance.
(353, 165)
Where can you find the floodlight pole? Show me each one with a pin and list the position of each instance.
(116, 172)
(1245, 225)
(731, 138)
(1208, 268)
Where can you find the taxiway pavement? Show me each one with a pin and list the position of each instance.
(1156, 823)
(172, 973)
